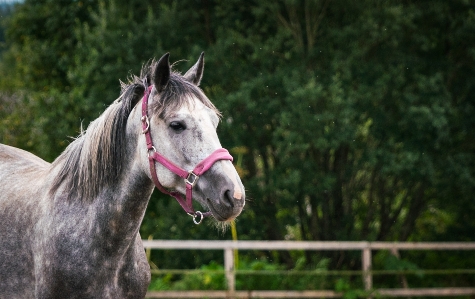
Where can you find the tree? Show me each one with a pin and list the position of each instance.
(352, 114)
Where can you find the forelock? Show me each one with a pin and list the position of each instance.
(177, 93)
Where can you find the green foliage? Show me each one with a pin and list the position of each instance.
(251, 275)
(393, 263)
(349, 292)
(210, 277)
(262, 274)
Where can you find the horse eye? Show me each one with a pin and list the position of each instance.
(177, 126)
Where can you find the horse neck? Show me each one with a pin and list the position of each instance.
(123, 204)
(116, 205)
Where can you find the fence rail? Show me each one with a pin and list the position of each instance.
(366, 249)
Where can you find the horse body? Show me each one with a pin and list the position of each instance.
(55, 248)
(70, 229)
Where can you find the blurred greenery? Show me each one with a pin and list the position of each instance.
(352, 120)
(251, 275)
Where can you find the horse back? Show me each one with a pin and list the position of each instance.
(21, 174)
(13, 155)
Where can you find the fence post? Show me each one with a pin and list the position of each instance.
(366, 264)
(229, 269)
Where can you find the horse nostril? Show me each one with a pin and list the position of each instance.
(228, 199)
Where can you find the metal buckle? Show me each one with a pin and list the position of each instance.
(145, 119)
(196, 215)
(191, 178)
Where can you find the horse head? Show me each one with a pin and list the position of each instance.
(183, 150)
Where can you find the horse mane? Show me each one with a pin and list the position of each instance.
(95, 158)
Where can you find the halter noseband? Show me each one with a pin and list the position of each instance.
(190, 177)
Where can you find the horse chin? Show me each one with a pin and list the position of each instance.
(226, 215)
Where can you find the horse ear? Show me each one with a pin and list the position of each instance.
(195, 73)
(161, 73)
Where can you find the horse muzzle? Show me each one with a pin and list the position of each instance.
(222, 191)
(228, 207)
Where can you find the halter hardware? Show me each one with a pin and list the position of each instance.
(150, 151)
(147, 124)
(201, 215)
(194, 178)
(190, 177)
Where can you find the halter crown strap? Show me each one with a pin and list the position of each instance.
(190, 177)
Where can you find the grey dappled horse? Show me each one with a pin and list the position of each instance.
(70, 229)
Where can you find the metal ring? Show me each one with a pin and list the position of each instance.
(196, 215)
(145, 119)
(153, 149)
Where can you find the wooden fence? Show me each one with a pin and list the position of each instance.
(366, 249)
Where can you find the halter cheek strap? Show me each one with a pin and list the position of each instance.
(190, 177)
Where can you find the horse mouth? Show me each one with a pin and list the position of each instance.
(220, 214)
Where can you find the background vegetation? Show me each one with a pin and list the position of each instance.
(349, 120)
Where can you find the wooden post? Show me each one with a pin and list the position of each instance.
(229, 269)
(366, 264)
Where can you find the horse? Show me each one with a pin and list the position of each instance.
(70, 229)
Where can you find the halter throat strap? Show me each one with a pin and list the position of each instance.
(190, 177)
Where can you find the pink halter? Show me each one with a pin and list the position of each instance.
(190, 177)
